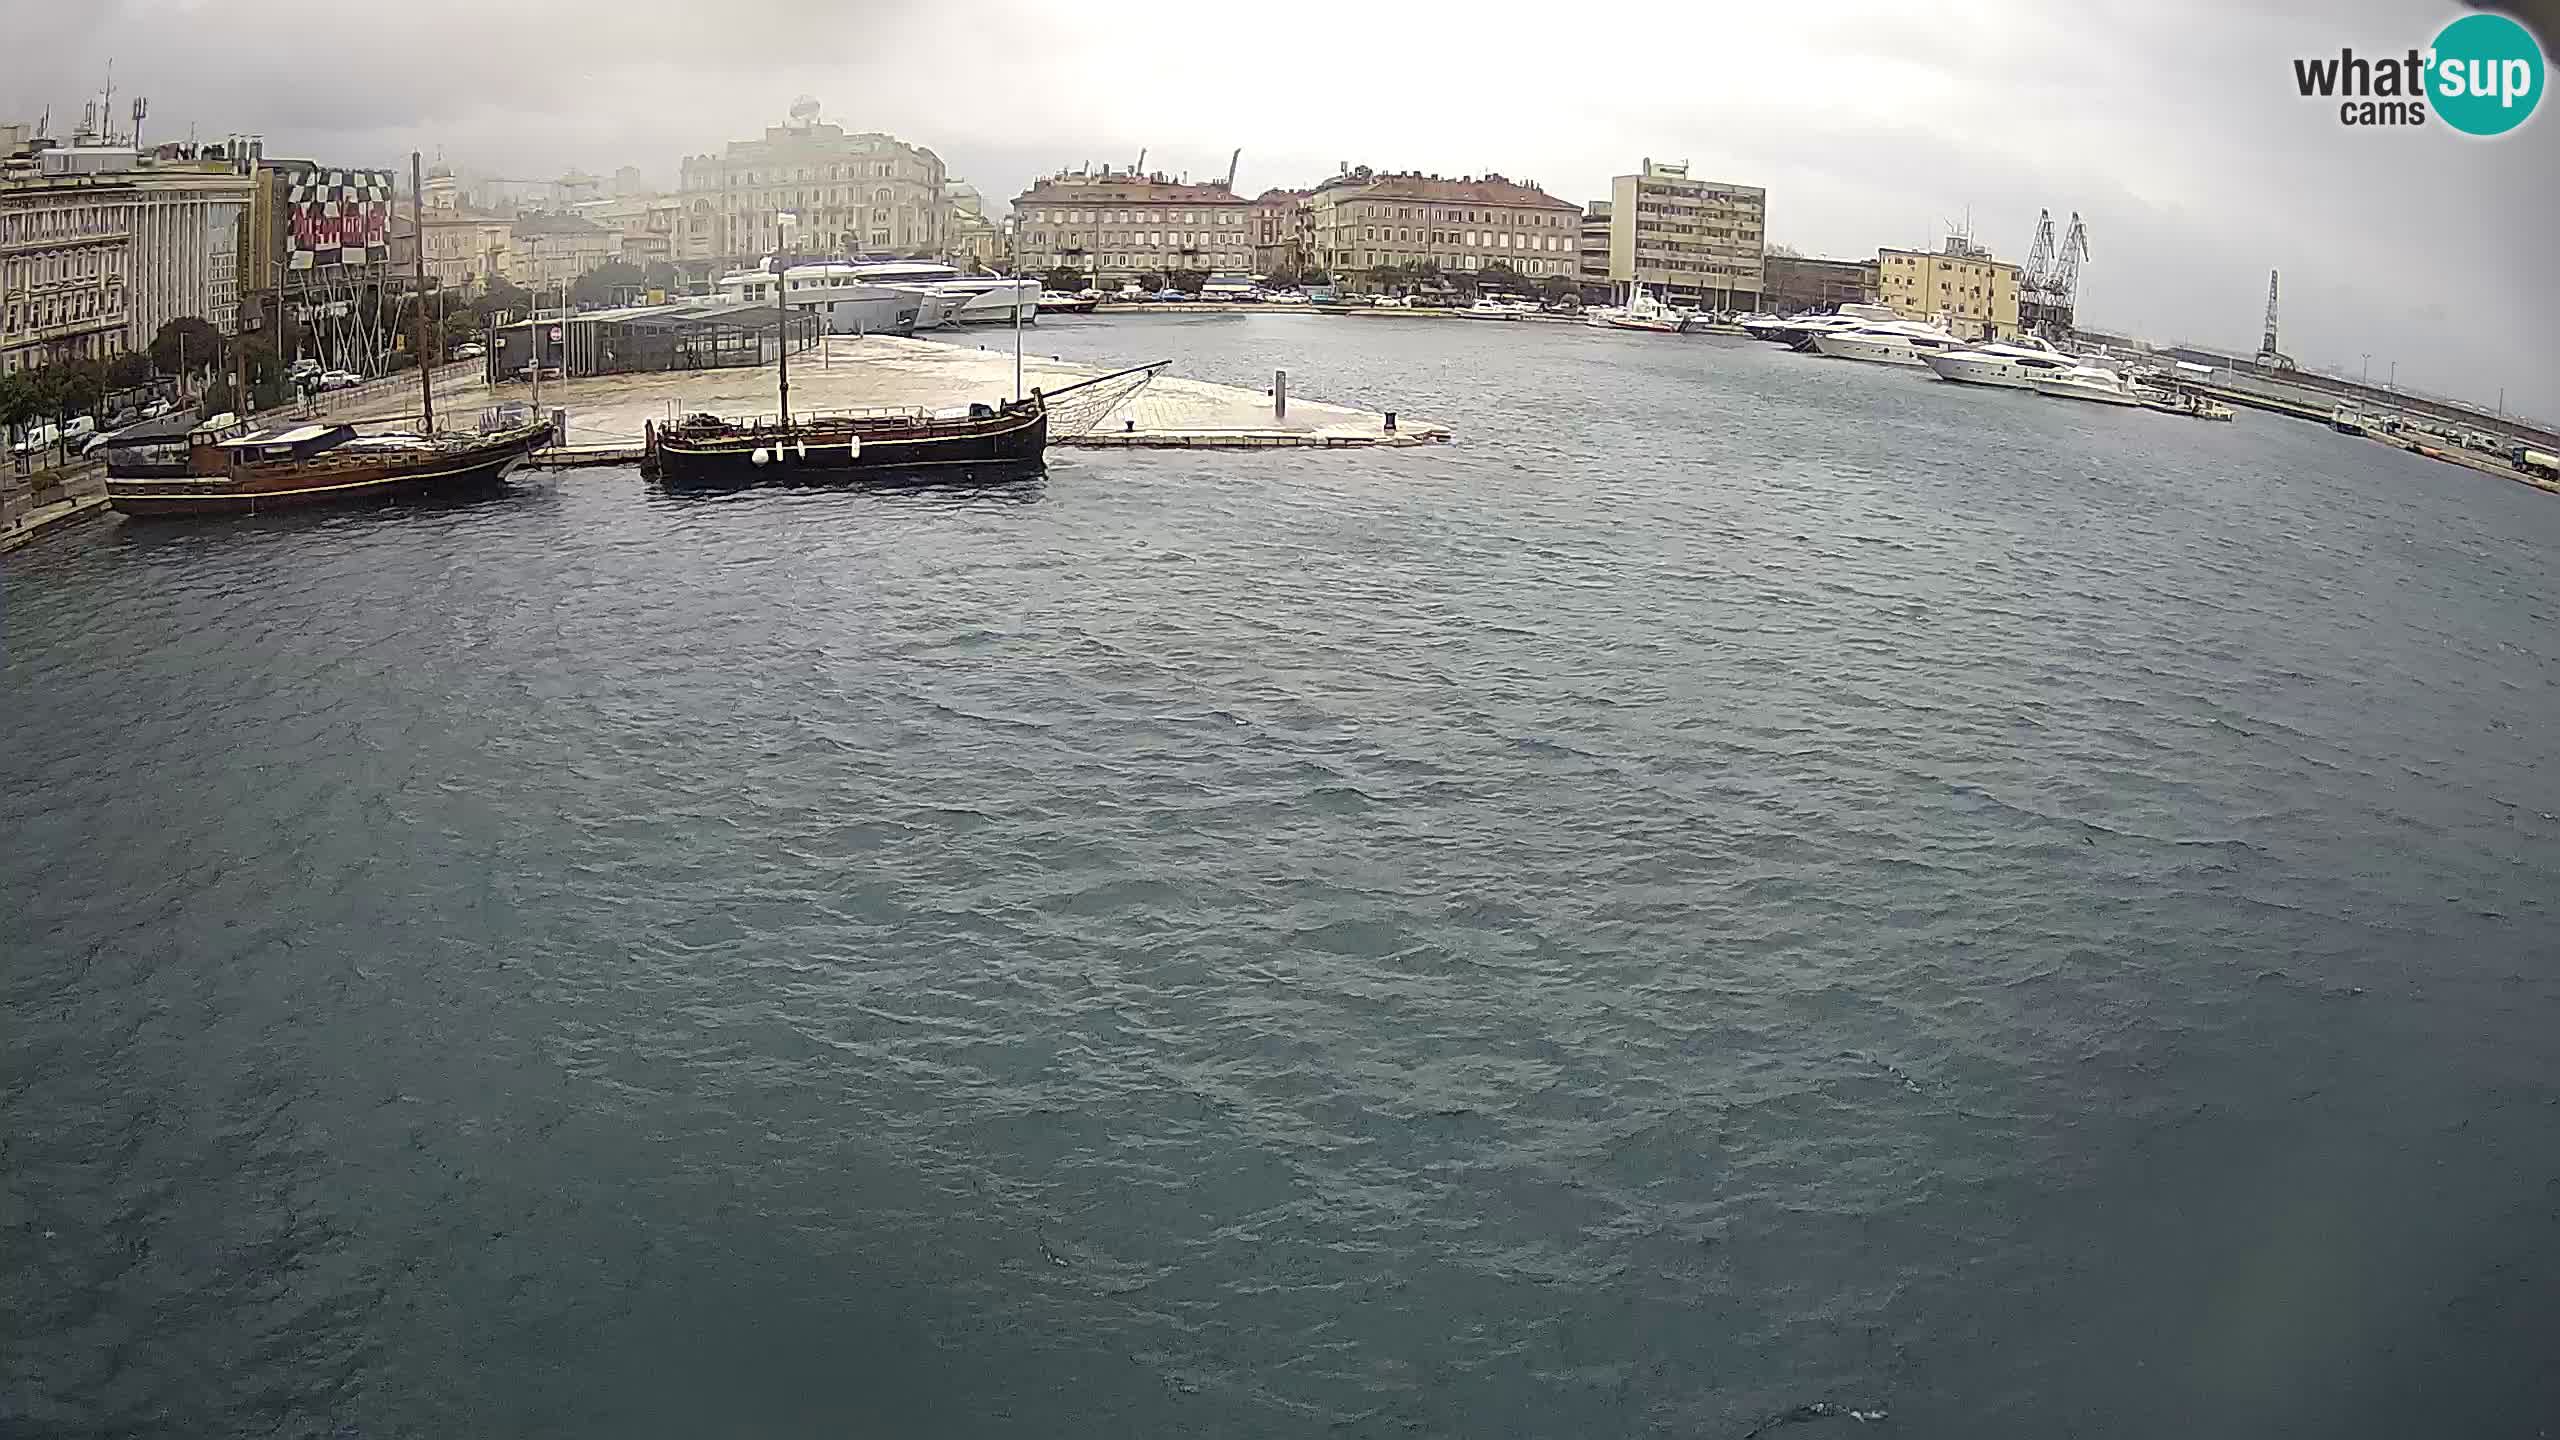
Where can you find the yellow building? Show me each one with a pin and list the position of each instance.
(1975, 296)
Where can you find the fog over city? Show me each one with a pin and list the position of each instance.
(2173, 128)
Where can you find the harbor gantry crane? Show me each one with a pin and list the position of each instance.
(2268, 354)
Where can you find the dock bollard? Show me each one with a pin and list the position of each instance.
(1279, 394)
(1391, 422)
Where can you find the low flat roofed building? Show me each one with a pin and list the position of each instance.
(1798, 283)
(698, 335)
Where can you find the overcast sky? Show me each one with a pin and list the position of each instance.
(2172, 126)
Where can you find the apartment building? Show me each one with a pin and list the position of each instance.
(1363, 220)
(1117, 226)
(1595, 250)
(101, 246)
(1283, 230)
(546, 251)
(1691, 241)
(844, 193)
(66, 250)
(1960, 285)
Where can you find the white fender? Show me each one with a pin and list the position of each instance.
(760, 456)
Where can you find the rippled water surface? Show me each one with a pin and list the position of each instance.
(1748, 882)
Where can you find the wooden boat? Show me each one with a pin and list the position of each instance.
(982, 441)
(178, 467)
(238, 470)
(959, 444)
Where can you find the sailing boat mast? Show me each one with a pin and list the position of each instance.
(418, 250)
(782, 314)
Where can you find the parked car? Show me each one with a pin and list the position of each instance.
(549, 372)
(469, 350)
(337, 380)
(37, 437)
(1170, 295)
(96, 442)
(1285, 297)
(80, 428)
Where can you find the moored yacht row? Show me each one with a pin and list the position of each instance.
(1875, 334)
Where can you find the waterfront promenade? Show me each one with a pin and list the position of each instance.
(607, 412)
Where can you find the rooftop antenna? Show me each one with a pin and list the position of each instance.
(141, 107)
(107, 105)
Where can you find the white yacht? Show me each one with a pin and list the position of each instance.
(2012, 364)
(983, 298)
(1892, 342)
(1799, 332)
(852, 305)
(2091, 382)
(1645, 311)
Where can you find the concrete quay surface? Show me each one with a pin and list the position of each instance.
(606, 412)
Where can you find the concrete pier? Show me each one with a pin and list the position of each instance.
(607, 413)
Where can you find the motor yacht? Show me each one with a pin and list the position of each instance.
(984, 299)
(1894, 342)
(2091, 382)
(1646, 311)
(2010, 364)
(851, 304)
(1799, 332)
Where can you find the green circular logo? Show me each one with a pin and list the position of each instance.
(2484, 75)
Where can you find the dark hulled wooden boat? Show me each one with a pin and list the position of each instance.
(236, 471)
(983, 440)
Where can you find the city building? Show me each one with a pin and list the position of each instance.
(1117, 226)
(467, 249)
(188, 222)
(860, 193)
(1690, 241)
(1960, 285)
(1595, 251)
(546, 251)
(1283, 230)
(971, 240)
(100, 246)
(1362, 220)
(1794, 284)
(66, 248)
